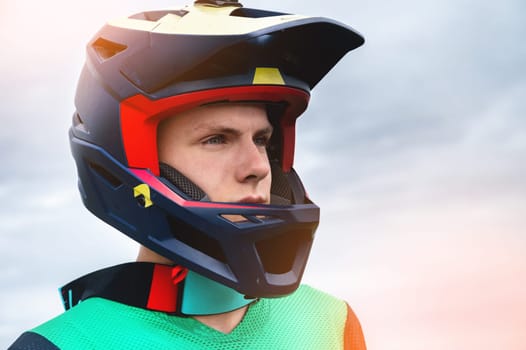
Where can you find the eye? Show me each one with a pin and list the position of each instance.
(262, 141)
(215, 140)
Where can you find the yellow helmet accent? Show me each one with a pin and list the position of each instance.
(144, 191)
(267, 75)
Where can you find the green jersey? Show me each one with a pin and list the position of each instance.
(141, 306)
(307, 319)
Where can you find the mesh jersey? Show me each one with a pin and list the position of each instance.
(307, 319)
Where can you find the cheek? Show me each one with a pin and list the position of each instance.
(208, 174)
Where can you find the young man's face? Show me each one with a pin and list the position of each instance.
(222, 149)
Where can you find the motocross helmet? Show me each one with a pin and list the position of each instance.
(153, 65)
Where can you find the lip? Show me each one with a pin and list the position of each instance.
(253, 200)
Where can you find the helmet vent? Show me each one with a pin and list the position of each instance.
(106, 175)
(106, 49)
(254, 13)
(278, 253)
(247, 220)
(197, 240)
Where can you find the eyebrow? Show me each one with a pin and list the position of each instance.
(220, 129)
(268, 130)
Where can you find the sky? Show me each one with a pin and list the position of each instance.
(413, 147)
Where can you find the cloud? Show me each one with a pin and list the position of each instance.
(413, 146)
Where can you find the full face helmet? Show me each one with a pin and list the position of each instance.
(153, 65)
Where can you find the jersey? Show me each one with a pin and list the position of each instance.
(306, 319)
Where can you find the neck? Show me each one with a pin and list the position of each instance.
(225, 322)
(147, 255)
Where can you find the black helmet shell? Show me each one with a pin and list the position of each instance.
(152, 65)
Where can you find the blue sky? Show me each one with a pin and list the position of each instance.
(413, 146)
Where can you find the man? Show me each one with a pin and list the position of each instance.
(184, 140)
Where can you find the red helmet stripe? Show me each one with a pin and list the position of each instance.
(140, 117)
(148, 178)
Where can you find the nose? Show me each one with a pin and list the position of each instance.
(253, 164)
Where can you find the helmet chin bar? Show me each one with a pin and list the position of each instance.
(262, 255)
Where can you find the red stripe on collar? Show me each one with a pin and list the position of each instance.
(164, 288)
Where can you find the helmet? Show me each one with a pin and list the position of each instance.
(153, 65)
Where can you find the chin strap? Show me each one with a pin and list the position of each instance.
(156, 287)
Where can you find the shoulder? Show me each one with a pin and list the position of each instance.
(50, 335)
(306, 319)
(310, 308)
(326, 313)
(315, 300)
(32, 341)
(74, 328)
(353, 335)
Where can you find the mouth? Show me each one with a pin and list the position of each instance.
(254, 200)
(248, 200)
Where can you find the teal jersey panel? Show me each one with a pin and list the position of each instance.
(307, 319)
